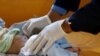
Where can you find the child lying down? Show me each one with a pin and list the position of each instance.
(15, 38)
(11, 43)
(56, 50)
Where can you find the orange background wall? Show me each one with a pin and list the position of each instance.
(18, 10)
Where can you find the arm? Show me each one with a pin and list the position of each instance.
(62, 7)
(66, 26)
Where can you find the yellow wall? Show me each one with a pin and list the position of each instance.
(18, 10)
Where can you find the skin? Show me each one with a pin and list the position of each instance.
(18, 42)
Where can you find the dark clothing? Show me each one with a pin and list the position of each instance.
(96, 1)
(68, 4)
(85, 19)
(71, 4)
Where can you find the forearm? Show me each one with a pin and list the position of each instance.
(66, 27)
(54, 16)
(62, 7)
(57, 12)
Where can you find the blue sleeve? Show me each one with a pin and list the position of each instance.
(69, 5)
(59, 10)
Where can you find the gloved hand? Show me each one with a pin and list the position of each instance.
(33, 23)
(47, 37)
(25, 50)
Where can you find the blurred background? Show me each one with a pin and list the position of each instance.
(13, 11)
